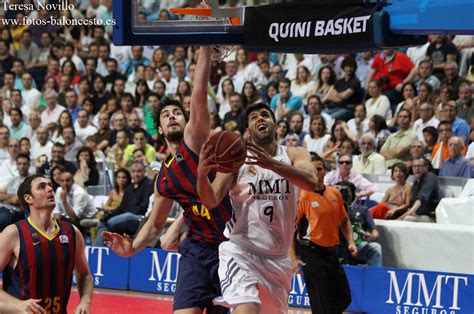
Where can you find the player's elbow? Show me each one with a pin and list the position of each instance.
(168, 243)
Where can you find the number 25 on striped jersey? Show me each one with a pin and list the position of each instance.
(52, 305)
(202, 211)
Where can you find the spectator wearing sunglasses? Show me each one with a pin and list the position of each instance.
(364, 187)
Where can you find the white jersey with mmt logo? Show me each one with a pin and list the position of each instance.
(264, 209)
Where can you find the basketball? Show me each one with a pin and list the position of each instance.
(230, 150)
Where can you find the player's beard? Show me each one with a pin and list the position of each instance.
(175, 136)
(264, 139)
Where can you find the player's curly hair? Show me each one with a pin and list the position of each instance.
(168, 101)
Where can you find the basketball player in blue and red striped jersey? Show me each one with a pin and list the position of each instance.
(38, 256)
(198, 281)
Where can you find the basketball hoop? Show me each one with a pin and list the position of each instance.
(220, 53)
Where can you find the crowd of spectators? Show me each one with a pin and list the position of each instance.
(72, 100)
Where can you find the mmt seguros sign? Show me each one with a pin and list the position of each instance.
(417, 292)
(373, 289)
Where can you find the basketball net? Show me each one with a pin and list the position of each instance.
(219, 52)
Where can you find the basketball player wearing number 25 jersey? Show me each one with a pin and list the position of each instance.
(254, 265)
(38, 256)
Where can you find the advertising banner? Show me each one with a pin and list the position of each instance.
(373, 289)
(107, 269)
(417, 292)
(292, 26)
(154, 270)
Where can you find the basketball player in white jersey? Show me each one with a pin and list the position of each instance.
(254, 266)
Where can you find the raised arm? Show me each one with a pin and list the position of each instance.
(198, 128)
(300, 172)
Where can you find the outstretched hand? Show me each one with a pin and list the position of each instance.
(31, 306)
(206, 160)
(260, 157)
(121, 245)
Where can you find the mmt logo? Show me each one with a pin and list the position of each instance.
(414, 292)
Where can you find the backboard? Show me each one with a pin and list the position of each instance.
(152, 22)
(292, 26)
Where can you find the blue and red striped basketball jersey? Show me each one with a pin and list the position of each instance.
(177, 180)
(45, 265)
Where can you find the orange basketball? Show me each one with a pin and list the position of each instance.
(230, 150)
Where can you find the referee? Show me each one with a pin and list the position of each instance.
(319, 214)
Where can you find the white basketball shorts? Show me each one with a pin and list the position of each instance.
(249, 278)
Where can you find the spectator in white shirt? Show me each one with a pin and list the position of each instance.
(227, 87)
(317, 138)
(34, 122)
(171, 82)
(50, 116)
(369, 161)
(377, 103)
(83, 127)
(257, 72)
(417, 53)
(42, 146)
(8, 168)
(427, 118)
(360, 123)
(231, 71)
(301, 60)
(29, 94)
(303, 83)
(4, 138)
(6, 107)
(73, 203)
